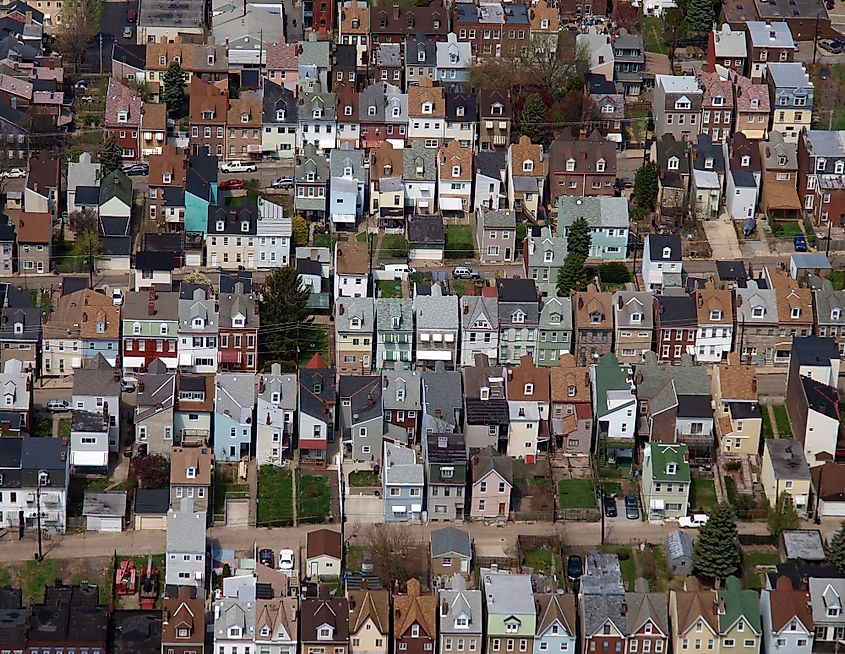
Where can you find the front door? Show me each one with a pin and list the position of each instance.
(501, 508)
(507, 254)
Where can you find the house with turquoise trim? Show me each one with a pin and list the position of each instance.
(607, 218)
(200, 190)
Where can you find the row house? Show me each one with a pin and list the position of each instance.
(275, 416)
(727, 48)
(766, 42)
(791, 95)
(753, 108)
(239, 322)
(677, 106)
(582, 167)
(717, 107)
(593, 312)
(743, 177)
(392, 24)
(779, 195)
(209, 62)
(354, 28)
(495, 118)
(383, 112)
(526, 175)
(311, 177)
(123, 118)
(209, 104)
(150, 323)
(737, 414)
(571, 421)
(420, 59)
(821, 164)
(386, 188)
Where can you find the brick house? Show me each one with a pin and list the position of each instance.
(496, 115)
(208, 113)
(166, 177)
(414, 620)
(123, 117)
(582, 167)
(244, 120)
(34, 238)
(675, 327)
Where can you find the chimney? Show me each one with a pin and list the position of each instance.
(341, 309)
(261, 384)
(151, 309)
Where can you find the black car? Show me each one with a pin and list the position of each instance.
(610, 507)
(137, 170)
(265, 557)
(574, 567)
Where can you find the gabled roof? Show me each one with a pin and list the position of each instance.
(786, 603)
(451, 540)
(116, 185)
(487, 461)
(323, 542)
(643, 608)
(414, 608)
(367, 605)
(739, 604)
(555, 607)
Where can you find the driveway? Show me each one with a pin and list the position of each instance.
(722, 238)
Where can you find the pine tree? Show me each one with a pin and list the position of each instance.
(110, 156)
(173, 92)
(645, 186)
(285, 314)
(699, 18)
(572, 276)
(578, 239)
(782, 515)
(532, 116)
(716, 550)
(836, 554)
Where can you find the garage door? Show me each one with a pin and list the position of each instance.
(832, 509)
(111, 524)
(150, 522)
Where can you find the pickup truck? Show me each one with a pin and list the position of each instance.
(238, 167)
(692, 521)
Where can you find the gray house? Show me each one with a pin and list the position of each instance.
(676, 106)
(544, 255)
(487, 416)
(446, 465)
(436, 318)
(185, 549)
(555, 330)
(403, 480)
(311, 176)
(154, 410)
(361, 418)
(460, 616)
(420, 58)
(633, 320)
(495, 235)
(419, 175)
(829, 306)
(394, 332)
(276, 416)
(519, 316)
(346, 189)
(451, 553)
(234, 404)
(442, 400)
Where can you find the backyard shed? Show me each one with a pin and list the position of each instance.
(802, 545)
(151, 505)
(815, 263)
(104, 511)
(679, 553)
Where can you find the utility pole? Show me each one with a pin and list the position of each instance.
(38, 516)
(634, 271)
(829, 225)
(101, 53)
(816, 39)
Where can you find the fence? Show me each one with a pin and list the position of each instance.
(758, 539)
(587, 515)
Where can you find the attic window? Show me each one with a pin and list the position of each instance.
(436, 24)
(207, 115)
(421, 55)
(427, 107)
(529, 389)
(166, 178)
(355, 23)
(671, 468)
(708, 163)
(570, 391)
(318, 388)
(601, 164)
(411, 22)
(608, 109)
(396, 112)
(745, 161)
(371, 110)
(183, 632)
(220, 225)
(275, 397)
(191, 472)
(395, 322)
(280, 114)
(43, 478)
(682, 104)
(453, 58)
(459, 111)
(715, 314)
(162, 61)
(19, 328)
(347, 110)
(758, 312)
(382, 22)
(667, 253)
(718, 101)
(548, 256)
(198, 322)
(570, 165)
(527, 166)
(595, 317)
(461, 622)
(122, 116)
(518, 316)
(755, 103)
(835, 313)
(265, 631)
(244, 117)
(497, 109)
(245, 226)
(400, 394)
(234, 632)
(674, 163)
(347, 171)
(310, 176)
(796, 312)
(317, 113)
(781, 160)
(636, 317)
(238, 321)
(456, 171)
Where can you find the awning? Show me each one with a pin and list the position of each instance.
(230, 356)
(399, 509)
(90, 459)
(133, 362)
(451, 204)
(434, 355)
(416, 508)
(657, 505)
(184, 358)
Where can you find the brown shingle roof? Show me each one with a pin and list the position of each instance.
(315, 612)
(524, 151)
(385, 154)
(567, 374)
(353, 258)
(207, 97)
(77, 315)
(542, 10)
(349, 12)
(249, 105)
(154, 116)
(585, 153)
(787, 603)
(34, 227)
(198, 458)
(829, 481)
(323, 542)
(184, 610)
(282, 56)
(347, 96)
(414, 608)
(169, 161)
(121, 98)
(693, 605)
(369, 604)
(710, 299)
(590, 301)
(454, 154)
(738, 381)
(527, 372)
(425, 92)
(791, 296)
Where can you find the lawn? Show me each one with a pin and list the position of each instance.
(275, 495)
(766, 426)
(461, 287)
(459, 242)
(654, 34)
(782, 421)
(65, 427)
(389, 288)
(730, 488)
(362, 237)
(31, 576)
(837, 278)
(539, 560)
(786, 228)
(363, 478)
(703, 494)
(354, 558)
(224, 484)
(626, 563)
(324, 241)
(393, 246)
(315, 498)
(576, 494)
(42, 427)
(751, 560)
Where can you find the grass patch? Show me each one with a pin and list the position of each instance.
(539, 559)
(612, 488)
(730, 488)
(65, 425)
(702, 494)
(393, 246)
(275, 495)
(786, 229)
(576, 494)
(46, 302)
(324, 241)
(362, 237)
(752, 559)
(32, 577)
(459, 242)
(626, 563)
(363, 478)
(837, 278)
(225, 484)
(315, 498)
(782, 421)
(390, 288)
(354, 558)
(654, 34)
(158, 561)
(42, 427)
(461, 287)
(766, 426)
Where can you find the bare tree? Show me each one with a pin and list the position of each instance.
(80, 22)
(396, 554)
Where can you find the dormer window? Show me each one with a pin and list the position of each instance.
(835, 314)
(715, 314)
(608, 109)
(318, 388)
(220, 225)
(43, 478)
(548, 256)
(518, 317)
(101, 327)
(601, 164)
(265, 631)
(122, 116)
(673, 164)
(453, 58)
(595, 317)
(411, 23)
(839, 167)
(356, 23)
(396, 112)
(570, 165)
(708, 163)
(280, 114)
(208, 115)
(183, 632)
(245, 226)
(395, 322)
(459, 111)
(796, 313)
(667, 253)
(382, 22)
(199, 323)
(718, 101)
(570, 391)
(18, 328)
(636, 317)
(244, 117)
(529, 389)
(162, 61)
(781, 160)
(544, 24)
(347, 171)
(755, 103)
(497, 109)
(671, 468)
(311, 176)
(456, 171)
(371, 110)
(461, 622)
(757, 312)
(275, 397)
(436, 23)
(400, 394)
(427, 108)
(317, 113)
(191, 472)
(683, 103)
(745, 161)
(347, 110)
(484, 393)
(528, 166)
(820, 164)
(166, 178)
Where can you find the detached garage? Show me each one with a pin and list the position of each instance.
(151, 505)
(829, 489)
(104, 511)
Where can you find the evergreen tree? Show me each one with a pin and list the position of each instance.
(699, 18)
(836, 554)
(300, 230)
(285, 317)
(110, 156)
(783, 515)
(578, 239)
(572, 275)
(716, 550)
(645, 186)
(173, 92)
(532, 116)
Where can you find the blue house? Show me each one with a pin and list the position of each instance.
(608, 220)
(403, 479)
(200, 190)
(556, 624)
(234, 402)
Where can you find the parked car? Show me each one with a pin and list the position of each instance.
(693, 521)
(58, 406)
(13, 173)
(610, 507)
(127, 385)
(265, 557)
(800, 243)
(131, 15)
(830, 45)
(574, 567)
(231, 184)
(238, 167)
(117, 297)
(286, 560)
(632, 510)
(462, 272)
(140, 169)
(81, 85)
(127, 32)
(282, 182)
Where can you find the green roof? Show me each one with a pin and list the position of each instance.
(662, 454)
(738, 603)
(116, 185)
(609, 376)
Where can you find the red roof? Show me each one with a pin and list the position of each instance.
(317, 362)
(121, 98)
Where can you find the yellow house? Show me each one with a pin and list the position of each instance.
(369, 621)
(354, 321)
(695, 627)
(792, 90)
(785, 469)
(738, 612)
(737, 411)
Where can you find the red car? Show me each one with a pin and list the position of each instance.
(231, 184)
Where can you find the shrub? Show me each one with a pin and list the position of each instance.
(614, 272)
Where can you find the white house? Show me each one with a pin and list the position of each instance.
(273, 232)
(323, 553)
(523, 430)
(490, 177)
(614, 399)
(662, 261)
(351, 270)
(276, 412)
(479, 328)
(198, 329)
(741, 194)
(185, 546)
